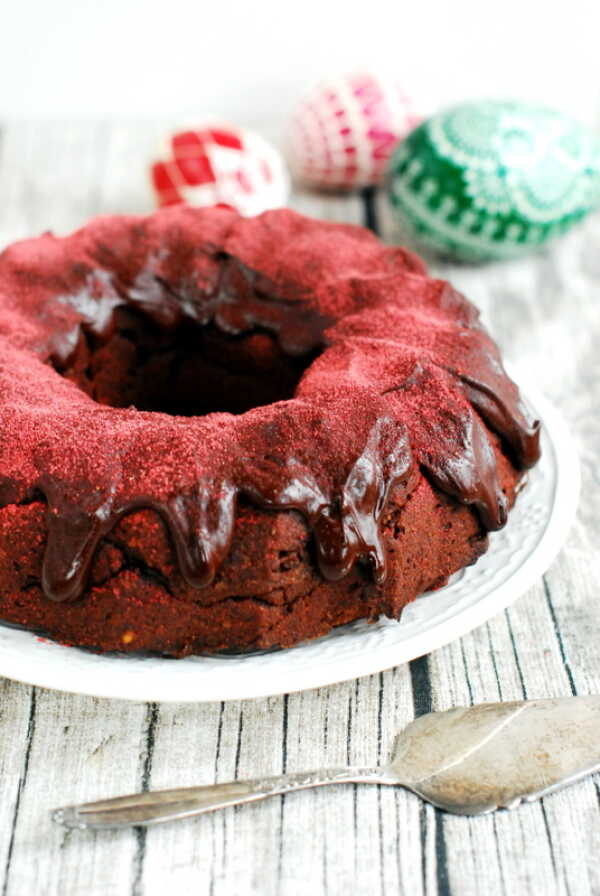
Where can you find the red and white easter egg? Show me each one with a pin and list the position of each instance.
(344, 131)
(221, 165)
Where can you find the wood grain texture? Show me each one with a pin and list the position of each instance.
(59, 748)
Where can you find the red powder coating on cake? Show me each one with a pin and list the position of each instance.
(401, 383)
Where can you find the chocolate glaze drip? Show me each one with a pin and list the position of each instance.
(233, 305)
(74, 532)
(345, 523)
(472, 478)
(503, 412)
(74, 536)
(470, 474)
(343, 509)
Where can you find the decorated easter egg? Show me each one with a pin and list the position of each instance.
(494, 179)
(221, 165)
(343, 133)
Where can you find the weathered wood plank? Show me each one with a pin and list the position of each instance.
(17, 724)
(78, 746)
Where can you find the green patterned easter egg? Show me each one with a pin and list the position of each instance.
(494, 179)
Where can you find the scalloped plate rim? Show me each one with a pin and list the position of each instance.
(44, 663)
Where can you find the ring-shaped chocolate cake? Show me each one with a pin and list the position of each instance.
(220, 433)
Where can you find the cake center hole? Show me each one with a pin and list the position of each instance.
(190, 371)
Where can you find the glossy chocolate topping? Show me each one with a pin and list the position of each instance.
(404, 385)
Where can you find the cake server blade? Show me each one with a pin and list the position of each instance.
(497, 755)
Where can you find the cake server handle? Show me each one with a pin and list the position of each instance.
(167, 805)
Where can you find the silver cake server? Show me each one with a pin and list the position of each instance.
(468, 760)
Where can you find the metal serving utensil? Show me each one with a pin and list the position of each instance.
(468, 760)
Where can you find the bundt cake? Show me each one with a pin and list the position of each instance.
(220, 433)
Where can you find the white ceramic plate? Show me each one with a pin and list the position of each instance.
(517, 556)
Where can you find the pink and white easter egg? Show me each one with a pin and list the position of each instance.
(221, 165)
(344, 131)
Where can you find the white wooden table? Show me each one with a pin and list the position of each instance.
(56, 748)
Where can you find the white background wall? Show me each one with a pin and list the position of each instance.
(249, 60)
